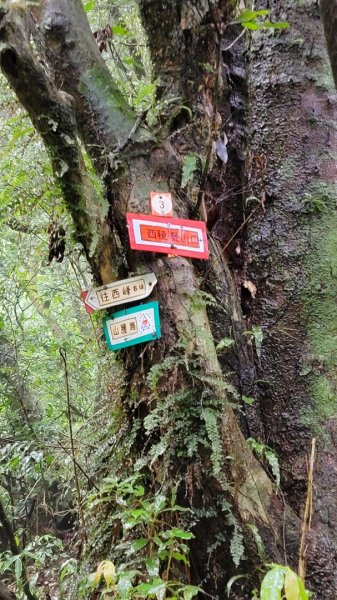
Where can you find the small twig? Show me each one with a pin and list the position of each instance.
(63, 355)
(234, 42)
(308, 511)
(90, 481)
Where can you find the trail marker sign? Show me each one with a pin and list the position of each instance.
(161, 204)
(132, 326)
(178, 237)
(119, 292)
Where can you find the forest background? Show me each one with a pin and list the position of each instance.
(183, 467)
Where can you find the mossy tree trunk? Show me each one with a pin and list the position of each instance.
(291, 258)
(184, 420)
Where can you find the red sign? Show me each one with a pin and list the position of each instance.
(178, 237)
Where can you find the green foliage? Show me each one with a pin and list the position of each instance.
(268, 454)
(257, 333)
(149, 545)
(314, 204)
(211, 418)
(237, 547)
(258, 541)
(282, 582)
(190, 166)
(224, 343)
(126, 52)
(252, 19)
(41, 551)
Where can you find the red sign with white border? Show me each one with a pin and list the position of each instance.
(178, 237)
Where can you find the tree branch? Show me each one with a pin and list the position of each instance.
(53, 115)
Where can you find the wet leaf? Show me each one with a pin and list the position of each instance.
(258, 338)
(189, 591)
(250, 15)
(189, 168)
(303, 594)
(109, 572)
(180, 533)
(276, 25)
(291, 587)
(89, 5)
(272, 584)
(224, 343)
(152, 566)
(156, 586)
(18, 568)
(139, 544)
(248, 400)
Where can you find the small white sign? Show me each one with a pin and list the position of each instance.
(119, 292)
(161, 204)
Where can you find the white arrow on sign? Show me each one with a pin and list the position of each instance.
(119, 292)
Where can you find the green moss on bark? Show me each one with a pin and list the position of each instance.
(320, 300)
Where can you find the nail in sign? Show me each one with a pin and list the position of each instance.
(132, 326)
(178, 237)
(161, 204)
(119, 292)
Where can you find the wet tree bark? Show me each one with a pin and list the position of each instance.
(291, 258)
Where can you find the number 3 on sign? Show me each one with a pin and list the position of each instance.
(161, 204)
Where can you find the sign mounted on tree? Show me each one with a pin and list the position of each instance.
(161, 204)
(119, 292)
(132, 326)
(178, 237)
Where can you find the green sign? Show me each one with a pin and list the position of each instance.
(132, 326)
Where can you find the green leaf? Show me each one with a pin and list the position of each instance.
(189, 168)
(252, 25)
(276, 25)
(18, 568)
(152, 566)
(291, 587)
(139, 544)
(258, 338)
(272, 459)
(189, 591)
(156, 586)
(118, 30)
(181, 557)
(224, 343)
(179, 533)
(145, 90)
(124, 584)
(250, 15)
(159, 502)
(272, 584)
(89, 5)
(236, 547)
(258, 541)
(303, 593)
(248, 400)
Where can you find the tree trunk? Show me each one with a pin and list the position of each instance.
(197, 434)
(291, 258)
